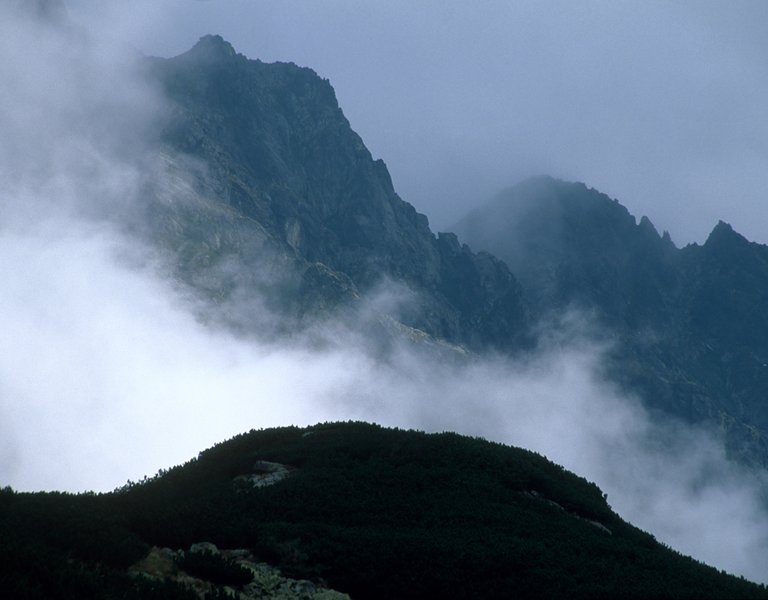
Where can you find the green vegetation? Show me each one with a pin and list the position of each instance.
(215, 568)
(374, 512)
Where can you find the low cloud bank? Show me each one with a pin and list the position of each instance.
(107, 375)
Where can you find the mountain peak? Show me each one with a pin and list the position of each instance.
(282, 153)
(723, 233)
(723, 226)
(646, 225)
(212, 48)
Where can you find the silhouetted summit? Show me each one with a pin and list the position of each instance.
(723, 236)
(211, 48)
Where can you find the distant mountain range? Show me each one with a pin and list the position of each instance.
(285, 200)
(269, 204)
(688, 326)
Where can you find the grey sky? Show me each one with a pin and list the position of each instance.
(662, 105)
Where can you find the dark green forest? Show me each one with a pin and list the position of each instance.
(373, 512)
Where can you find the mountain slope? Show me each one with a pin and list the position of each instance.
(570, 245)
(376, 513)
(690, 330)
(277, 156)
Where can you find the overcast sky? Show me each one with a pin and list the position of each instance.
(662, 105)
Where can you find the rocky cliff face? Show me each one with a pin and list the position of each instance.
(280, 162)
(692, 335)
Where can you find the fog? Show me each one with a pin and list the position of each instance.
(107, 373)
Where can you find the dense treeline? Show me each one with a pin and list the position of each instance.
(378, 513)
(55, 545)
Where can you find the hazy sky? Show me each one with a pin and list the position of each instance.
(662, 105)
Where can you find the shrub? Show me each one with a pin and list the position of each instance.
(215, 568)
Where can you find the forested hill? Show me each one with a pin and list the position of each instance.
(366, 511)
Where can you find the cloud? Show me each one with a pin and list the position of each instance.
(100, 387)
(107, 374)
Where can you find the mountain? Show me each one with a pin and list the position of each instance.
(570, 245)
(287, 202)
(268, 206)
(356, 508)
(269, 199)
(688, 325)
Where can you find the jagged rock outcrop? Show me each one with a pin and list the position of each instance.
(267, 581)
(285, 185)
(571, 245)
(689, 327)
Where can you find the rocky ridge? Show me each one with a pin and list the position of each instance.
(267, 581)
(270, 204)
(688, 328)
(289, 205)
